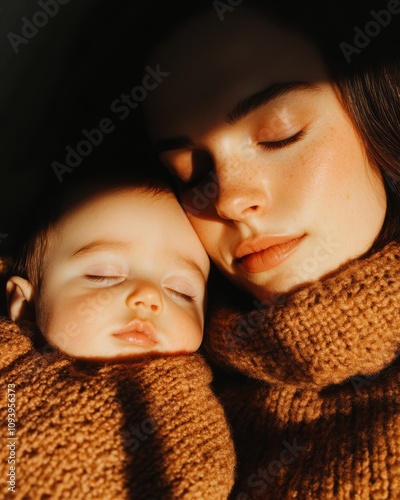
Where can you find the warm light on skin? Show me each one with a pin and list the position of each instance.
(145, 253)
(319, 184)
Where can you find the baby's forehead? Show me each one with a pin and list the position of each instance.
(109, 196)
(126, 218)
(94, 211)
(135, 191)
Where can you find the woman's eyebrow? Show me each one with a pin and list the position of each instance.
(173, 143)
(242, 109)
(255, 101)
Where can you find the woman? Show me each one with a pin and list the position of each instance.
(286, 156)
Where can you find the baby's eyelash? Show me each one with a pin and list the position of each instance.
(180, 295)
(93, 277)
(271, 145)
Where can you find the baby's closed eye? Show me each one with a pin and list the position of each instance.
(107, 280)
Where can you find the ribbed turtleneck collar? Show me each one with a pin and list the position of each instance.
(346, 324)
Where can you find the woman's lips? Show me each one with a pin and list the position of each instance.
(137, 333)
(267, 252)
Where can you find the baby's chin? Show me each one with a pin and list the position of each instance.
(118, 357)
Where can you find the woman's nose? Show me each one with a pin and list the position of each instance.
(240, 203)
(243, 193)
(145, 296)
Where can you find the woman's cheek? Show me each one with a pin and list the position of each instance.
(317, 177)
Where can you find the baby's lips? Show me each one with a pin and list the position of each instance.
(138, 332)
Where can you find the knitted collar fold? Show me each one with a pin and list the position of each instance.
(343, 325)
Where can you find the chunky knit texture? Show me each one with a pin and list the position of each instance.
(143, 429)
(316, 414)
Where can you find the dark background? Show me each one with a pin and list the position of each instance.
(62, 81)
(65, 78)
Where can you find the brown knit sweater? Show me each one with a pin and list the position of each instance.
(143, 429)
(316, 413)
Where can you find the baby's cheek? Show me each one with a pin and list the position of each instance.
(66, 337)
(43, 314)
(58, 321)
(194, 335)
(182, 327)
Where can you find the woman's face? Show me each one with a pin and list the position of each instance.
(275, 179)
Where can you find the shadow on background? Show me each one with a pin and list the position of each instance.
(66, 77)
(59, 82)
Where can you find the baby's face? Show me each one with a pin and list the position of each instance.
(125, 274)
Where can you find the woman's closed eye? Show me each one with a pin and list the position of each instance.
(192, 167)
(202, 171)
(196, 180)
(283, 143)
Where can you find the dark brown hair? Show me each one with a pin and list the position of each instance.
(368, 83)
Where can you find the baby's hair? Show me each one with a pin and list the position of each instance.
(29, 261)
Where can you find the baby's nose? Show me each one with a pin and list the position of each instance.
(145, 296)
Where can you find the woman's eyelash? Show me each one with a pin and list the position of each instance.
(270, 145)
(186, 185)
(180, 295)
(267, 145)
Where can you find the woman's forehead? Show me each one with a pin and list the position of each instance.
(213, 64)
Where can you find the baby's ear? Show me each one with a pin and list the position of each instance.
(20, 299)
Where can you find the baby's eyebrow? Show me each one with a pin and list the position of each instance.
(191, 265)
(105, 245)
(100, 246)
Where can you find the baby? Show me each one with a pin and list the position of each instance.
(113, 272)
(118, 403)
